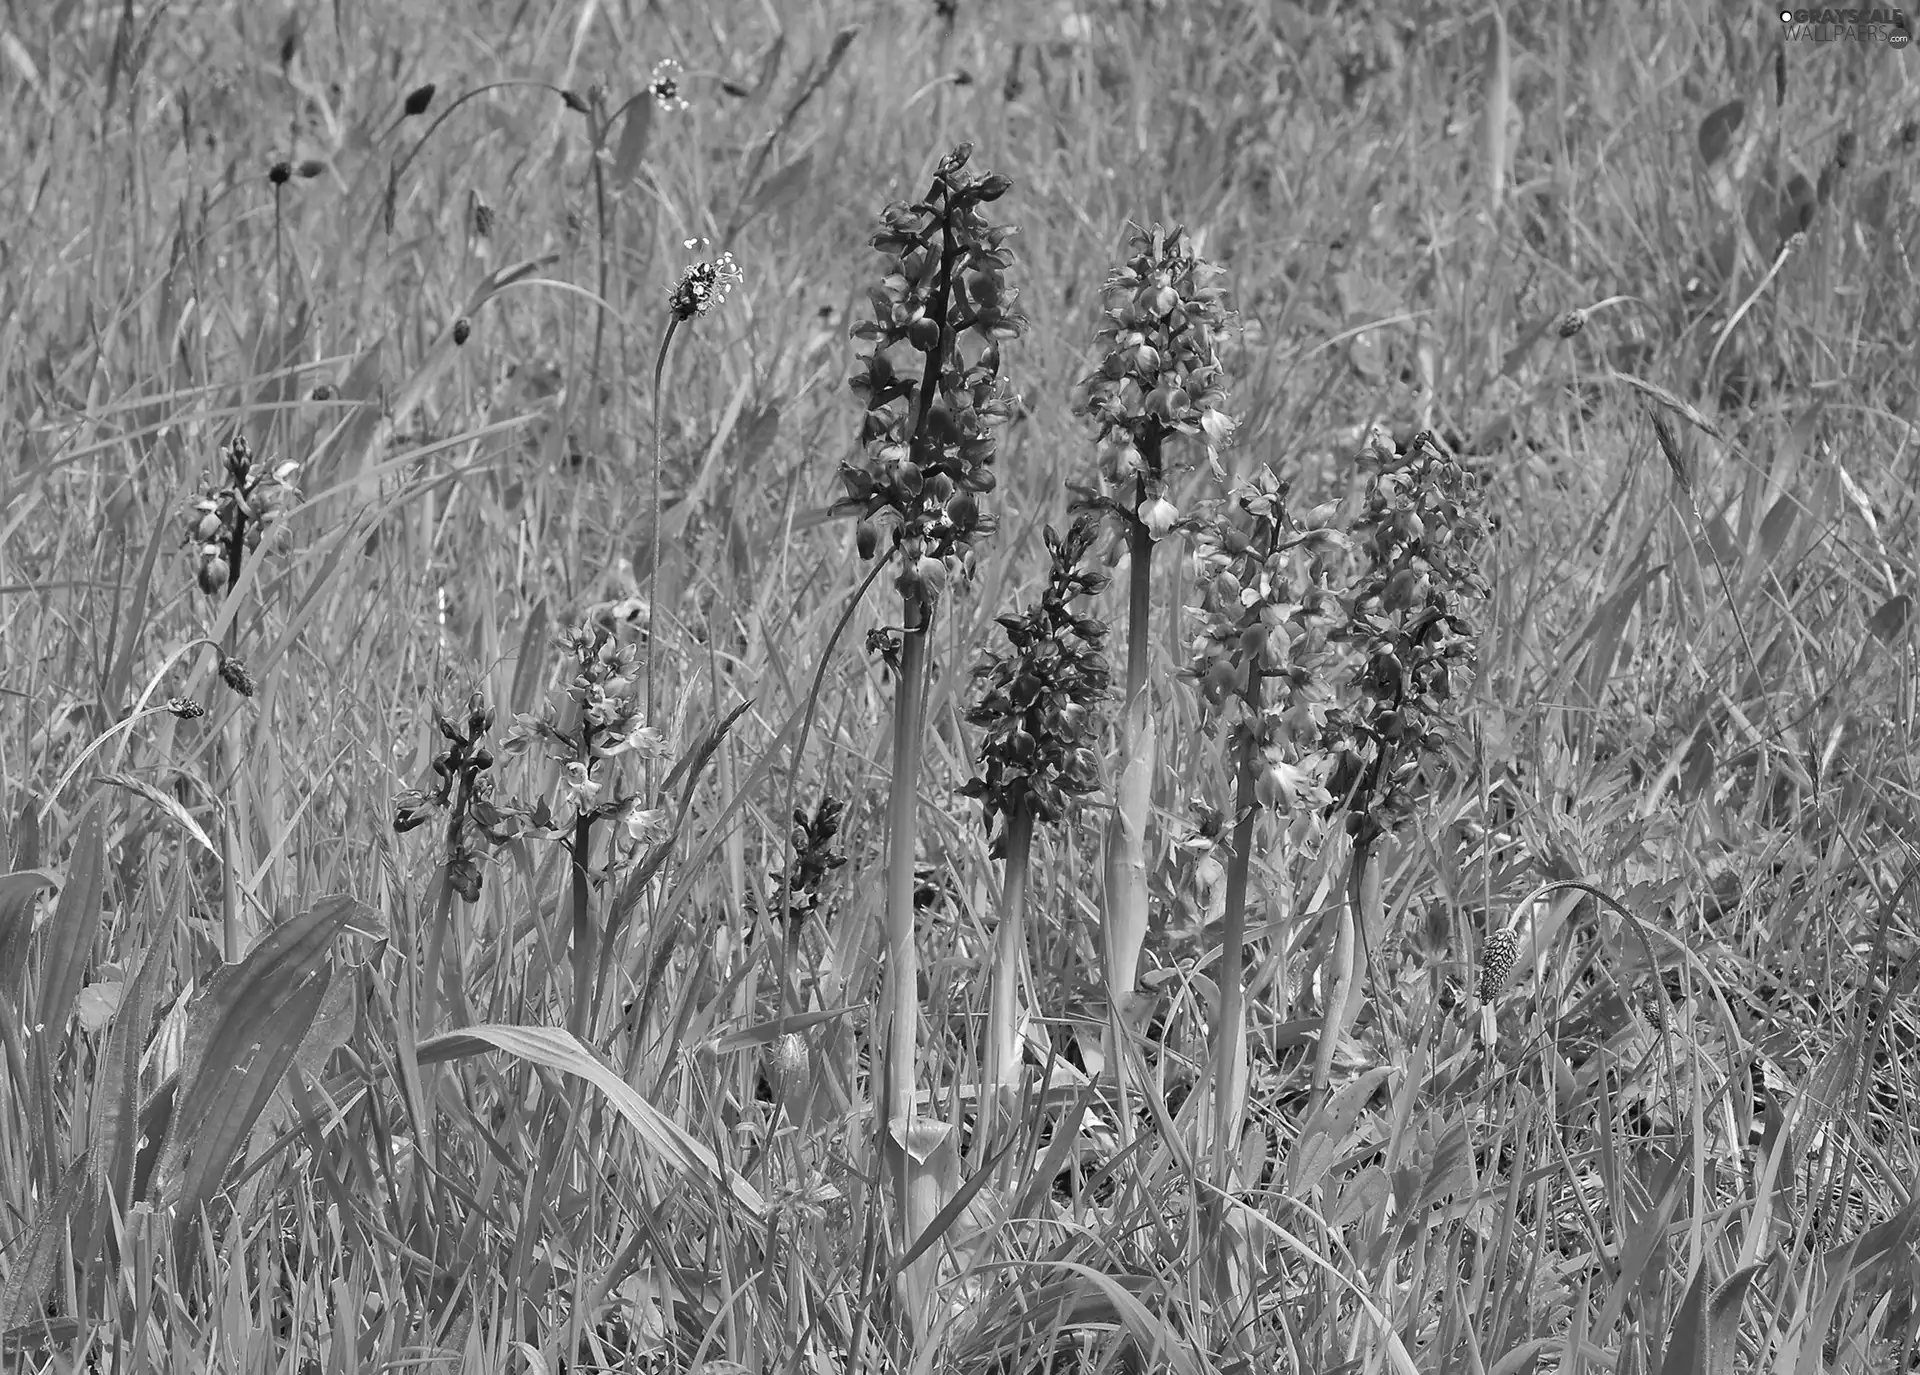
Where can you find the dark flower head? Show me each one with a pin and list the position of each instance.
(234, 674)
(665, 86)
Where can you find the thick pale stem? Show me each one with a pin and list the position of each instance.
(1338, 974)
(1003, 1038)
(903, 966)
(1126, 910)
(1230, 1031)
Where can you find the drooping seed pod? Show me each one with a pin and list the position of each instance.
(1496, 962)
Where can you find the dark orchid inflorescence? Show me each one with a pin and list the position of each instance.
(229, 520)
(1420, 530)
(1266, 606)
(1037, 701)
(1159, 373)
(928, 439)
(462, 791)
(814, 860)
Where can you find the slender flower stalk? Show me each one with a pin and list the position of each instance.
(1036, 704)
(1159, 377)
(226, 524)
(701, 287)
(928, 445)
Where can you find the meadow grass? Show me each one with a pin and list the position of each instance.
(546, 831)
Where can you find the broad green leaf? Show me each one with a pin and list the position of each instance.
(232, 1016)
(1326, 1131)
(209, 1141)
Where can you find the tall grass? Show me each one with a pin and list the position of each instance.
(1469, 926)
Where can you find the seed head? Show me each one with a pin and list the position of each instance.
(185, 708)
(664, 86)
(1496, 962)
(1571, 323)
(417, 100)
(704, 285)
(234, 674)
(280, 173)
(482, 215)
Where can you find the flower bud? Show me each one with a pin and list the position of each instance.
(924, 334)
(993, 186)
(213, 575)
(866, 538)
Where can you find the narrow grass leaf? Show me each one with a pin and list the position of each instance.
(1686, 1352)
(17, 891)
(1723, 1319)
(558, 1049)
(1496, 91)
(34, 1269)
(120, 676)
(75, 922)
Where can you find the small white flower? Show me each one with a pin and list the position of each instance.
(649, 826)
(581, 782)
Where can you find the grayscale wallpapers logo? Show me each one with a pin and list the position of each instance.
(1889, 26)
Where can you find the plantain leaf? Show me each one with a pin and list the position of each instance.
(211, 1140)
(232, 1016)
